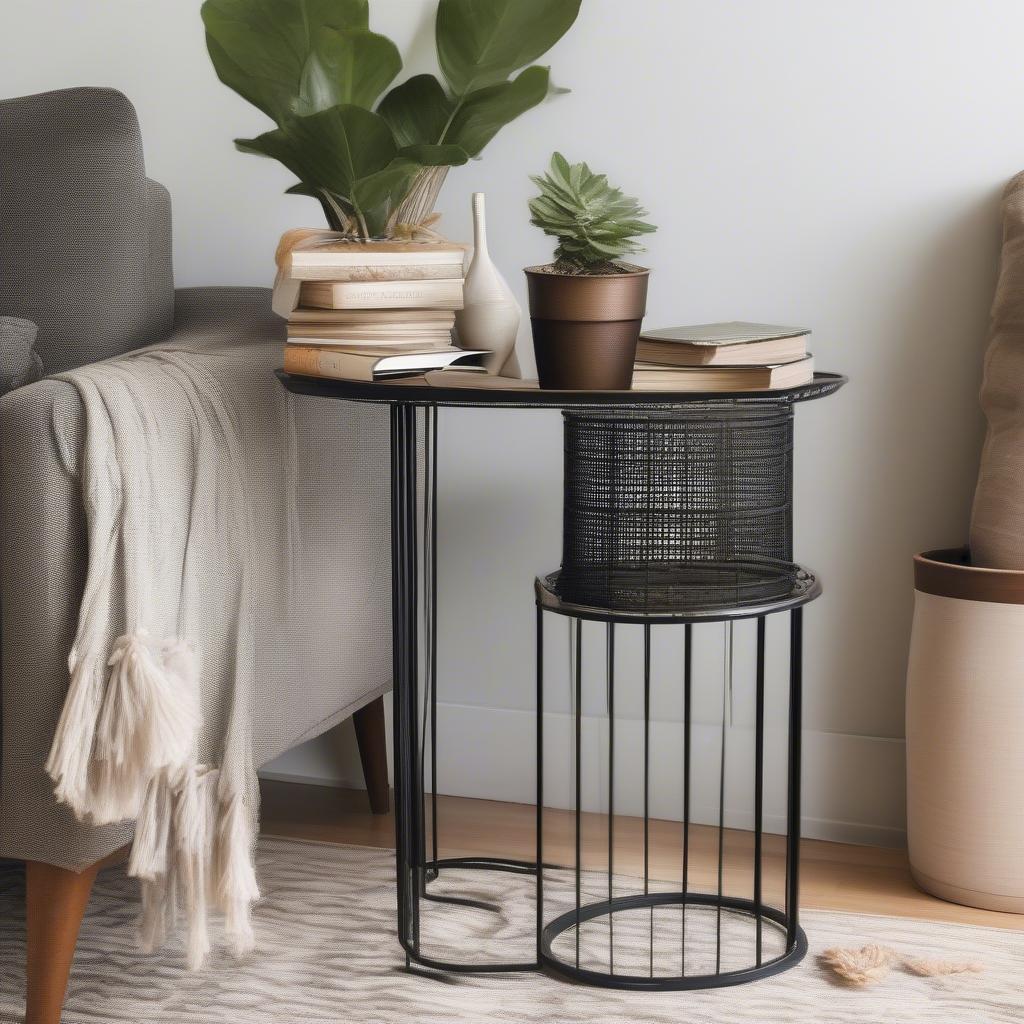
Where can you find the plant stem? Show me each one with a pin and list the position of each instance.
(451, 118)
(419, 203)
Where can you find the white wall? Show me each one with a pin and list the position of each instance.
(833, 164)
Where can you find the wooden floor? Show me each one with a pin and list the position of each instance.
(834, 876)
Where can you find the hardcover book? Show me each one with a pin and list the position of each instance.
(316, 260)
(398, 332)
(724, 378)
(436, 294)
(361, 343)
(398, 317)
(732, 332)
(747, 353)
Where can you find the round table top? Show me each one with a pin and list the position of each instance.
(527, 395)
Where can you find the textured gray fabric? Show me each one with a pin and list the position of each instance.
(86, 237)
(19, 362)
(159, 264)
(323, 646)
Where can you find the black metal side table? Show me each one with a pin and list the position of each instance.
(678, 514)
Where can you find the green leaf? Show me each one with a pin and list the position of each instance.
(275, 145)
(435, 156)
(482, 42)
(417, 110)
(484, 112)
(298, 56)
(347, 67)
(560, 171)
(341, 145)
(331, 149)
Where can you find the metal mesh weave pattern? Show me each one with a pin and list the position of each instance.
(684, 507)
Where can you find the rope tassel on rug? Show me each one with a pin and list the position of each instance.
(870, 964)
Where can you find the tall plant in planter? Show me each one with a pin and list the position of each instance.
(587, 306)
(374, 159)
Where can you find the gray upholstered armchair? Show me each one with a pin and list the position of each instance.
(85, 253)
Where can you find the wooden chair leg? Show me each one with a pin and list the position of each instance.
(55, 900)
(373, 752)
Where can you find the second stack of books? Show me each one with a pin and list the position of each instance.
(370, 311)
(732, 356)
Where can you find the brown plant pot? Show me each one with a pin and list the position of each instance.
(585, 328)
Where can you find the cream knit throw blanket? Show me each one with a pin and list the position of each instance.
(137, 717)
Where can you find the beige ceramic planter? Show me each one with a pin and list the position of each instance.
(965, 732)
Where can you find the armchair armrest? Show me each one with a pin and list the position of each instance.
(19, 362)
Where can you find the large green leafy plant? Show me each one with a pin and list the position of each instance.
(315, 68)
(595, 224)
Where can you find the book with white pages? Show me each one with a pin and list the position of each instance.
(770, 352)
(311, 330)
(315, 361)
(317, 259)
(421, 343)
(397, 318)
(445, 294)
(724, 378)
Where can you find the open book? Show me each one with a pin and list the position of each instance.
(317, 361)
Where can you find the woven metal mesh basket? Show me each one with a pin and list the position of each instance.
(681, 508)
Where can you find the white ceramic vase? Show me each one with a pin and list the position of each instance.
(490, 315)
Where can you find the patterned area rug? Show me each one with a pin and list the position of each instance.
(328, 952)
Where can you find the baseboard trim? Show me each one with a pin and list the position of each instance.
(853, 785)
(325, 779)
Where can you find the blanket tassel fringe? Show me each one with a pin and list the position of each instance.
(127, 750)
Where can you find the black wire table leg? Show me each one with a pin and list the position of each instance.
(578, 749)
(647, 783)
(687, 789)
(415, 870)
(431, 505)
(793, 931)
(540, 778)
(610, 678)
(759, 787)
(405, 656)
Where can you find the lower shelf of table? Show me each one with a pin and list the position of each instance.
(678, 592)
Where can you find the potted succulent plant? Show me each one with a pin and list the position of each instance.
(587, 306)
(376, 164)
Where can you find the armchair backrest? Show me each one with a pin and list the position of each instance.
(85, 237)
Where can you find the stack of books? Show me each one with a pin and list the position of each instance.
(730, 356)
(370, 312)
